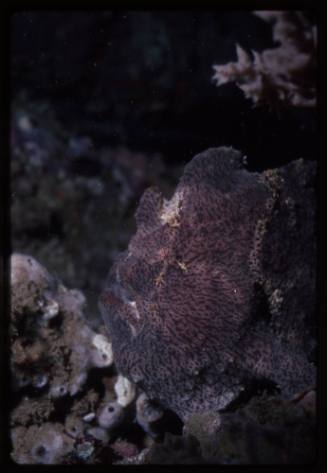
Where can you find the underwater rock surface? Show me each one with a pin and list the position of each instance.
(52, 345)
(215, 293)
(68, 405)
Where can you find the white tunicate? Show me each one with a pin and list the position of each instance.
(89, 417)
(40, 381)
(43, 444)
(41, 454)
(110, 415)
(58, 391)
(125, 391)
(74, 426)
(45, 452)
(101, 354)
(51, 309)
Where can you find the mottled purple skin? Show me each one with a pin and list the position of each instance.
(184, 304)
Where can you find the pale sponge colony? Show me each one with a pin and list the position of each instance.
(48, 332)
(67, 399)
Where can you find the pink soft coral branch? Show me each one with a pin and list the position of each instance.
(283, 74)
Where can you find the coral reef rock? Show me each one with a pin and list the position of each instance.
(215, 294)
(59, 366)
(52, 345)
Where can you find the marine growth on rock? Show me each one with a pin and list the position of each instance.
(215, 293)
(62, 409)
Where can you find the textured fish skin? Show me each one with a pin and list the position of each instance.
(216, 290)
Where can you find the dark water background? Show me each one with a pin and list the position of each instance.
(118, 101)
